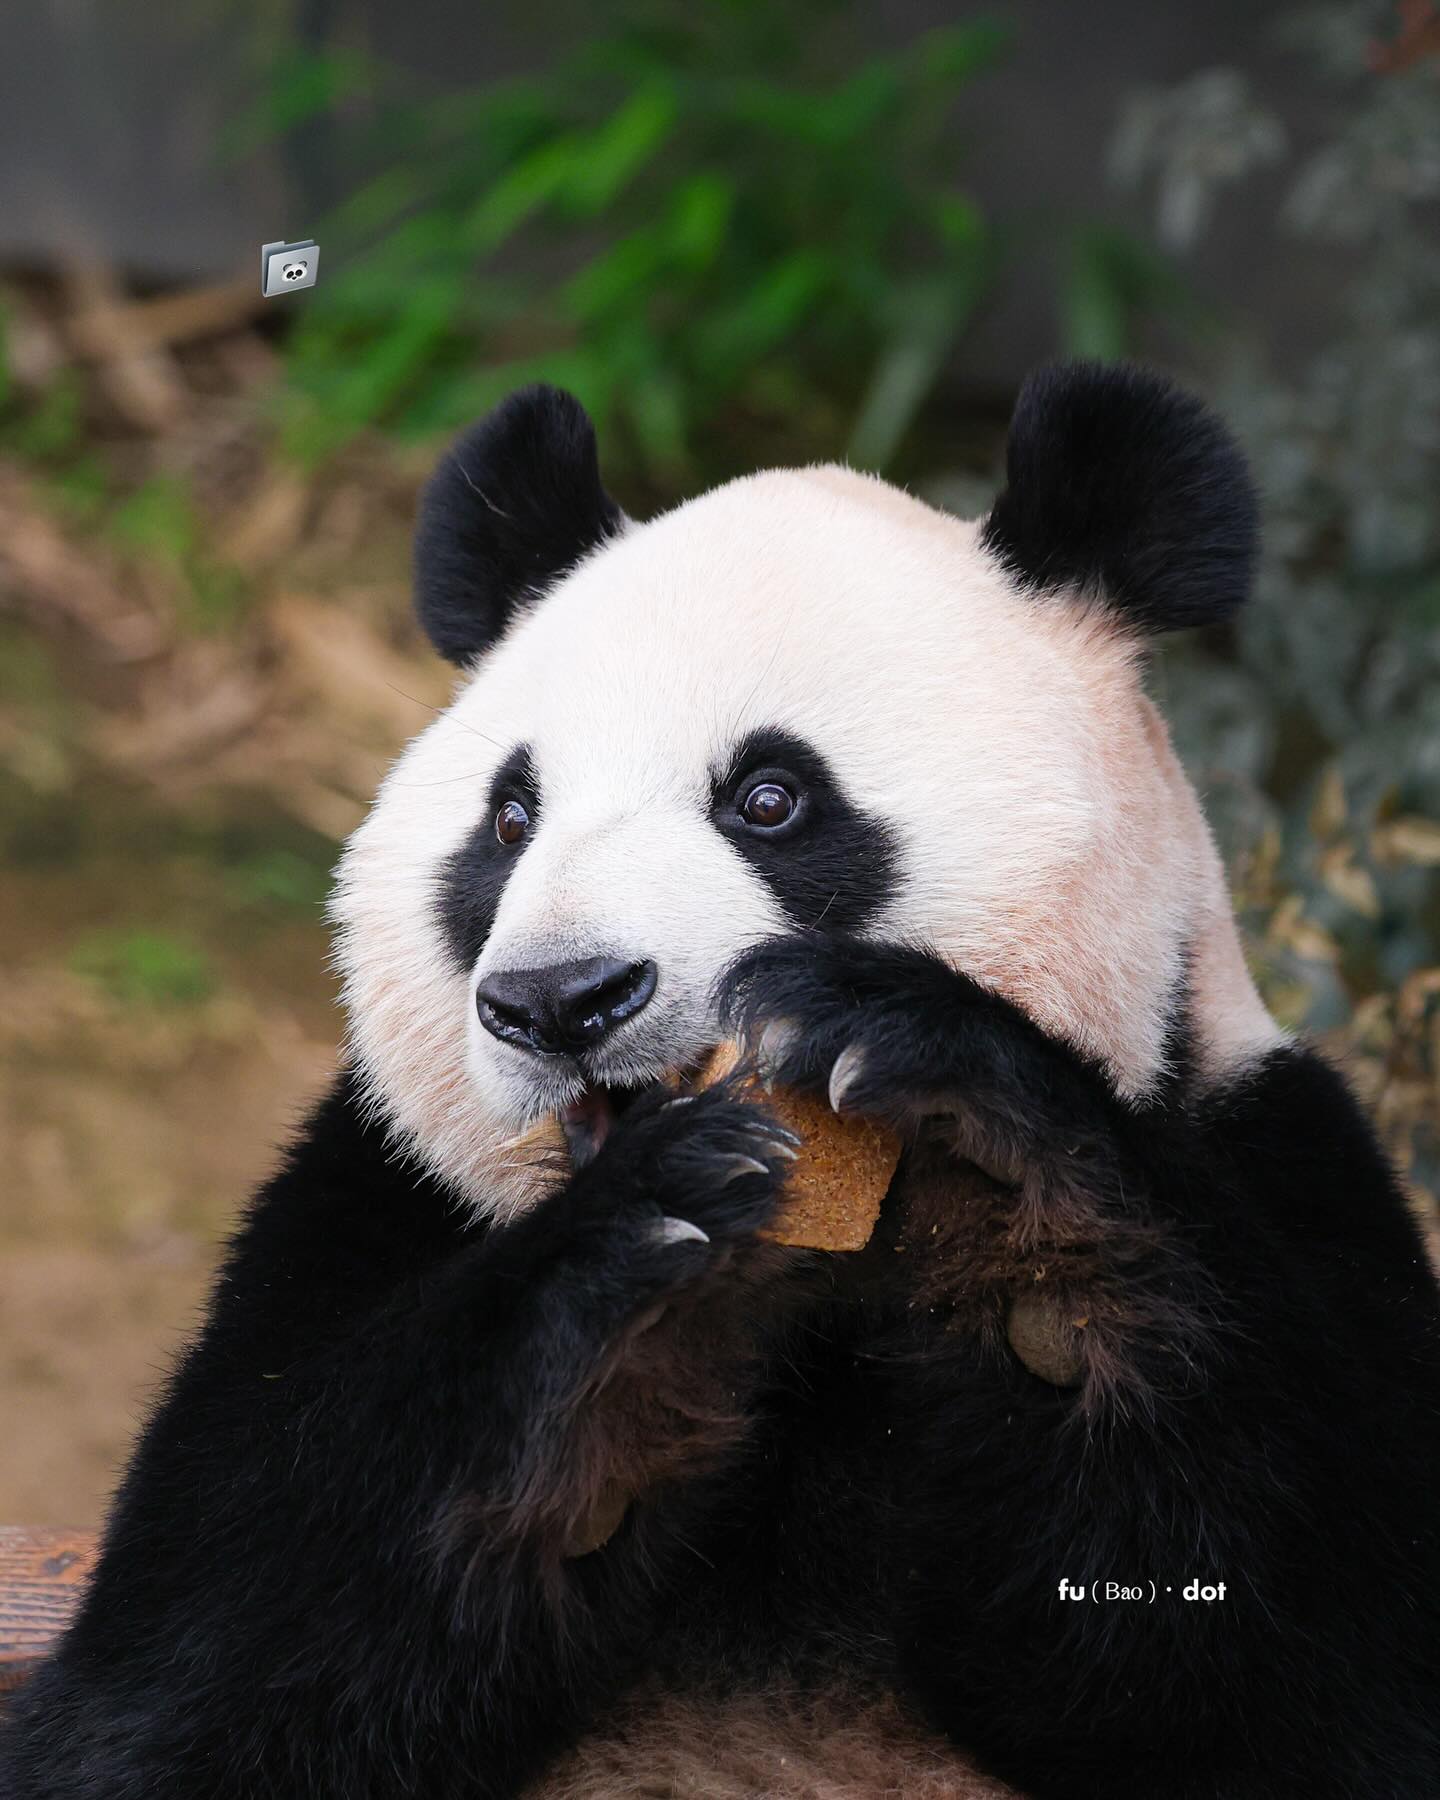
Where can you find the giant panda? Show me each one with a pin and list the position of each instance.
(806, 762)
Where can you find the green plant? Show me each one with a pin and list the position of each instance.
(1109, 283)
(47, 431)
(158, 520)
(51, 426)
(1320, 717)
(691, 218)
(281, 880)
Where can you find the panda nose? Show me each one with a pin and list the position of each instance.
(568, 1006)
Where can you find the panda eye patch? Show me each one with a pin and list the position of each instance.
(778, 804)
(511, 822)
(768, 804)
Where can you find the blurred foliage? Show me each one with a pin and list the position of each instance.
(1316, 727)
(739, 233)
(145, 968)
(693, 217)
(1112, 285)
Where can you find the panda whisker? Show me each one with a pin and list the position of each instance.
(774, 656)
(441, 712)
(815, 923)
(446, 780)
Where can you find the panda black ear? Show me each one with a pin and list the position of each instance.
(516, 502)
(1121, 484)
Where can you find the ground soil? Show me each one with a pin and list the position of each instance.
(132, 1127)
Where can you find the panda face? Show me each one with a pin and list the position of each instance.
(802, 701)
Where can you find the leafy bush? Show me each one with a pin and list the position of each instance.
(1323, 711)
(656, 224)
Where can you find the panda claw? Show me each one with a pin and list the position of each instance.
(671, 1230)
(846, 1075)
(772, 1048)
(740, 1166)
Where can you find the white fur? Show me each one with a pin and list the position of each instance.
(1050, 845)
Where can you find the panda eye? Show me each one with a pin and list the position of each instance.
(768, 805)
(511, 822)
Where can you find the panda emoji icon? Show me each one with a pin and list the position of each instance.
(285, 267)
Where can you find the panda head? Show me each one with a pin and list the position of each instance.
(803, 700)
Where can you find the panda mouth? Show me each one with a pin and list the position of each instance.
(588, 1121)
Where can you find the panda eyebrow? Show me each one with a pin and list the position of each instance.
(517, 774)
(769, 744)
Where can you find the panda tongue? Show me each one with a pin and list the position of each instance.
(586, 1123)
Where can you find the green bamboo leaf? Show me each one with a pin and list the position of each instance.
(656, 408)
(304, 85)
(930, 316)
(612, 155)
(526, 187)
(1094, 311)
(955, 53)
(375, 383)
(508, 115)
(376, 204)
(699, 216)
(764, 316)
(615, 277)
(464, 397)
(765, 107)
(1110, 282)
(957, 221)
(854, 110)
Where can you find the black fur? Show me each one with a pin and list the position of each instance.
(836, 864)
(515, 503)
(1121, 484)
(336, 1567)
(473, 878)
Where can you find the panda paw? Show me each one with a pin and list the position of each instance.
(898, 1034)
(681, 1190)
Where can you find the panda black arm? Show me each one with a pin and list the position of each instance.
(1257, 1403)
(338, 1563)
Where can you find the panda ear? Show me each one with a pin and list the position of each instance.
(1120, 484)
(516, 502)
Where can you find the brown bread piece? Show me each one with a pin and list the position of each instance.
(840, 1178)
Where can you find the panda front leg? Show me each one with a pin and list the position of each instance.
(1153, 1400)
(648, 1304)
(352, 1554)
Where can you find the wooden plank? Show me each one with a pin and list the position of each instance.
(42, 1577)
